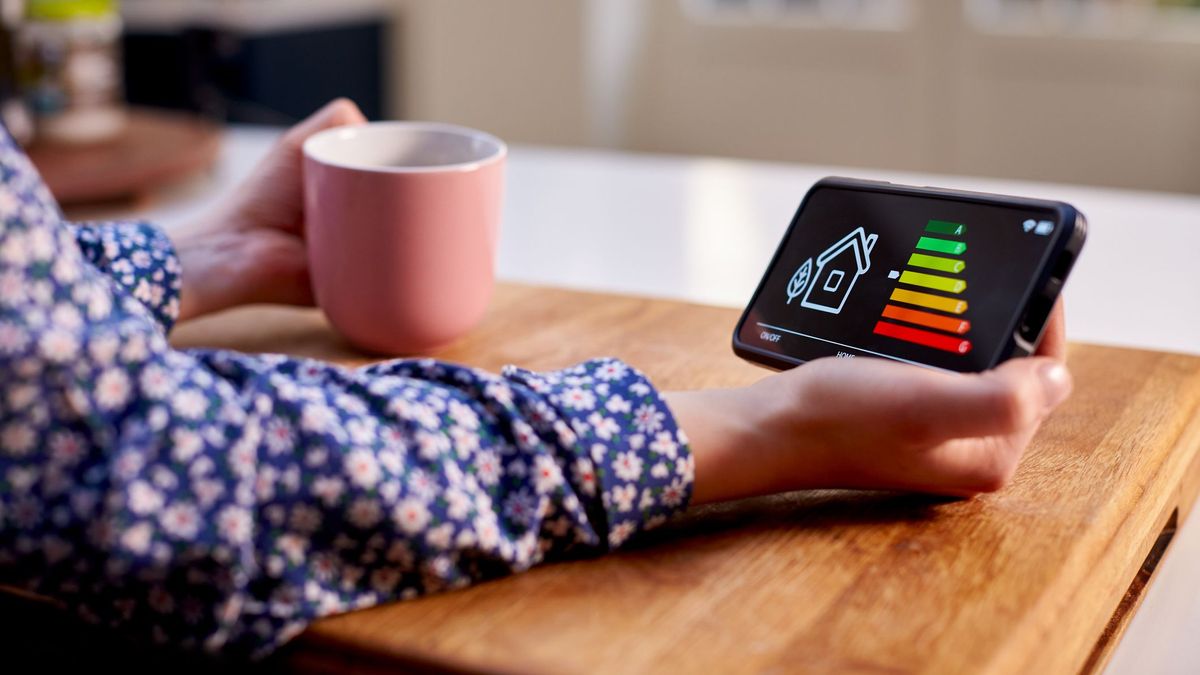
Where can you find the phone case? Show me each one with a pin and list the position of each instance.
(1040, 294)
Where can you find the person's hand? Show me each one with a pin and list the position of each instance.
(251, 248)
(871, 423)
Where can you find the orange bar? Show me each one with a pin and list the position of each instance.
(946, 323)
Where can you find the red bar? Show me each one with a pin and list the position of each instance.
(946, 343)
(949, 324)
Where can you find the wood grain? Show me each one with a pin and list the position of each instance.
(1025, 580)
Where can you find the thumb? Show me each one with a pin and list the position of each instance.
(339, 112)
(1015, 396)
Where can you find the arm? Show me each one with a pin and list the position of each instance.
(219, 500)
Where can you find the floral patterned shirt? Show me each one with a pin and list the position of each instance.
(223, 501)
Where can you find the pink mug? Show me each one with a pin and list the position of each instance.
(402, 220)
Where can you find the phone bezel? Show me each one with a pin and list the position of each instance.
(1024, 332)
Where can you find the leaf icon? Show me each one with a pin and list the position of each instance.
(799, 281)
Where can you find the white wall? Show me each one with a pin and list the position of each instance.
(937, 95)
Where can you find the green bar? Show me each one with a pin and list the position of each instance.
(933, 262)
(941, 245)
(946, 227)
(933, 281)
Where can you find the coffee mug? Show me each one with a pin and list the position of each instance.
(402, 221)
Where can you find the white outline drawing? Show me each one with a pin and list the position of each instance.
(799, 281)
(840, 278)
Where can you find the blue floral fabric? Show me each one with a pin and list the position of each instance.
(222, 501)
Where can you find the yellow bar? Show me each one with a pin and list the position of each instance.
(933, 281)
(938, 302)
(938, 263)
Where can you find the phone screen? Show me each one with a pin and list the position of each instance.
(929, 280)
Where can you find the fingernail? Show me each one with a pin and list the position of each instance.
(1056, 382)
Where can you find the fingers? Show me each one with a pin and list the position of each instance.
(1004, 401)
(1054, 337)
(337, 113)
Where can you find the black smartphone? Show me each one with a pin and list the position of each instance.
(946, 279)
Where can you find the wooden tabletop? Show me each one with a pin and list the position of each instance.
(1040, 577)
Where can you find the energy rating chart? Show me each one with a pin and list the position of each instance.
(935, 307)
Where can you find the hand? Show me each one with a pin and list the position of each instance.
(872, 423)
(251, 248)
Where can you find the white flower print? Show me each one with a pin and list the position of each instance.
(66, 447)
(18, 439)
(364, 513)
(463, 415)
(411, 515)
(58, 346)
(137, 539)
(458, 504)
(686, 468)
(143, 498)
(430, 446)
(361, 467)
(421, 484)
(235, 524)
(13, 338)
(612, 370)
(664, 444)
(499, 392)
(279, 437)
(487, 467)
(466, 441)
(384, 580)
(187, 444)
(487, 531)
(628, 466)
(328, 489)
(317, 417)
(293, 547)
(305, 519)
(673, 494)
(190, 403)
(620, 533)
(547, 474)
(112, 389)
(578, 398)
(623, 496)
(648, 419)
(156, 382)
(440, 537)
(660, 471)
(524, 434)
(585, 475)
(180, 520)
(521, 507)
(605, 427)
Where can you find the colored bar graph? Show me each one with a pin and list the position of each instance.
(948, 284)
(941, 245)
(946, 343)
(933, 262)
(935, 321)
(946, 227)
(929, 301)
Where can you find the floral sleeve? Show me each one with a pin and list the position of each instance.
(222, 501)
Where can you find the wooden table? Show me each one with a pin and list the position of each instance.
(1038, 578)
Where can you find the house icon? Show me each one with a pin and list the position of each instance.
(838, 268)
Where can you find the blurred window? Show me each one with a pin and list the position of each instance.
(865, 14)
(1165, 19)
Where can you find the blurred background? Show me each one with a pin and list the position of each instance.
(1099, 92)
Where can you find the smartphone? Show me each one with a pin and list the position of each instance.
(945, 279)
